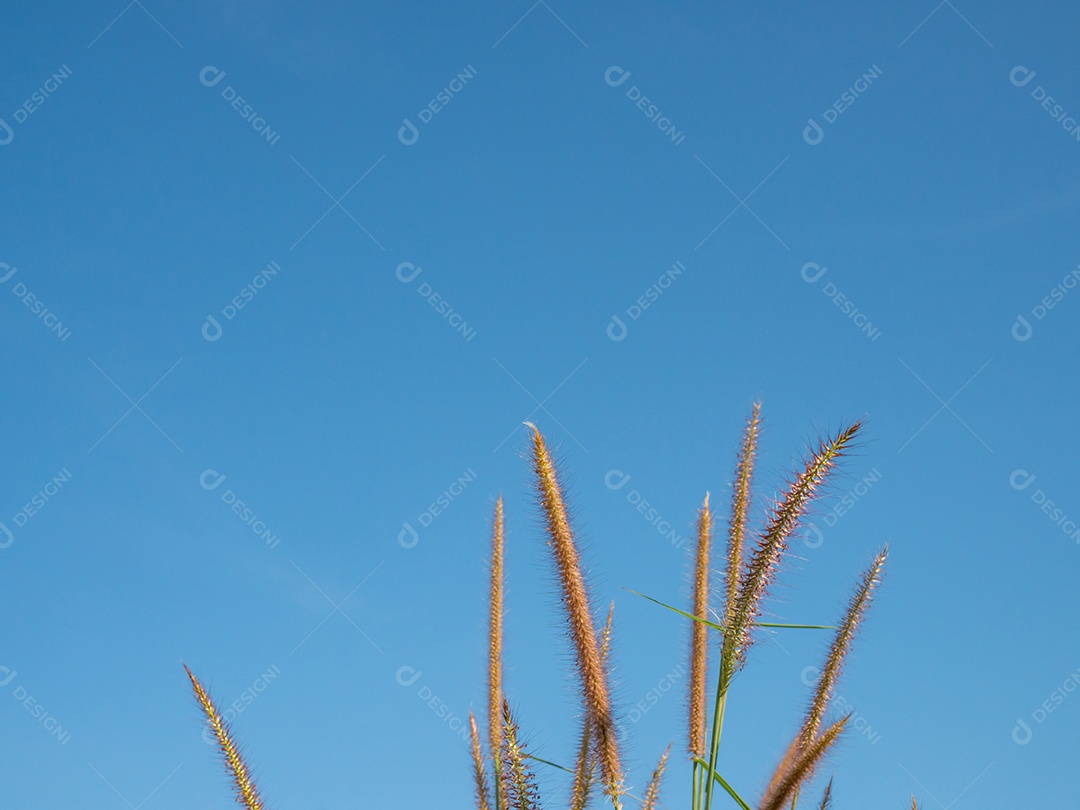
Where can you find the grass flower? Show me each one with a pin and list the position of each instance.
(247, 795)
(503, 775)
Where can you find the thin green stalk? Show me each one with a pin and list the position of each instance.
(717, 729)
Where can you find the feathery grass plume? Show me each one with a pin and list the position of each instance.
(652, 793)
(826, 799)
(699, 642)
(522, 792)
(740, 507)
(495, 654)
(841, 645)
(585, 767)
(591, 668)
(765, 560)
(247, 795)
(780, 794)
(479, 771)
(834, 661)
(914, 804)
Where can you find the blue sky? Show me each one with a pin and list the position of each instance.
(275, 279)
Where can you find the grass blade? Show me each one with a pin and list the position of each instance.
(723, 783)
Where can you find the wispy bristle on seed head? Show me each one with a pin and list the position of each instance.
(826, 799)
(479, 769)
(592, 670)
(495, 691)
(522, 791)
(699, 640)
(841, 645)
(652, 793)
(779, 794)
(585, 766)
(740, 508)
(765, 560)
(247, 795)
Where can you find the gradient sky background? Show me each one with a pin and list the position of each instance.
(540, 203)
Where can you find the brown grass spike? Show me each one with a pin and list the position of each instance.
(699, 640)
(740, 508)
(652, 793)
(841, 645)
(591, 669)
(495, 691)
(479, 772)
(803, 767)
(246, 793)
(765, 561)
(522, 793)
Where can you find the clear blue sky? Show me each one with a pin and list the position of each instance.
(254, 241)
